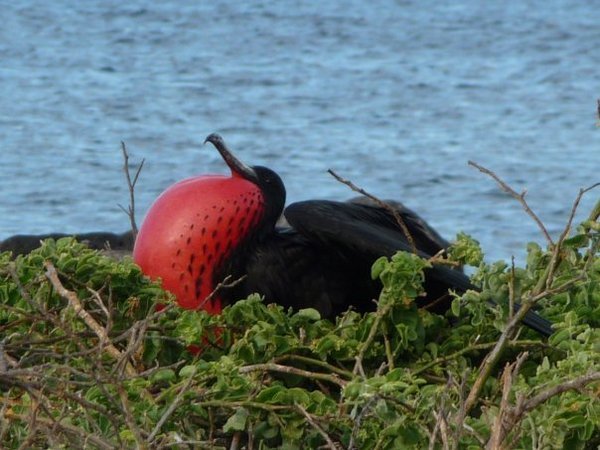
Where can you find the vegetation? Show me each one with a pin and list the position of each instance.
(94, 355)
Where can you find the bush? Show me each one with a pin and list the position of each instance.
(94, 355)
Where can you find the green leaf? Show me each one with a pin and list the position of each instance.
(309, 313)
(576, 421)
(236, 422)
(455, 307)
(163, 375)
(378, 267)
(577, 241)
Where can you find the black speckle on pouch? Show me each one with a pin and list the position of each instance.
(198, 286)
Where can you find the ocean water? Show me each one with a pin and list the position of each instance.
(395, 95)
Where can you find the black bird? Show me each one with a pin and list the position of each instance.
(204, 229)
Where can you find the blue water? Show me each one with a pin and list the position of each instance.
(396, 96)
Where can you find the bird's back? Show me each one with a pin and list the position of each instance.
(323, 259)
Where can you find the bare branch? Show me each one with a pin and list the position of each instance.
(316, 426)
(520, 197)
(225, 284)
(172, 407)
(499, 429)
(576, 384)
(80, 311)
(372, 332)
(272, 367)
(129, 419)
(556, 253)
(130, 211)
(380, 203)
(358, 421)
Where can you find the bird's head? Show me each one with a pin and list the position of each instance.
(269, 183)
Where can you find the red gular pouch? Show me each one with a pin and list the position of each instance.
(189, 232)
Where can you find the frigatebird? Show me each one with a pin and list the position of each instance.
(207, 229)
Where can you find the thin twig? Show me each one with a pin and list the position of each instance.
(372, 332)
(441, 419)
(358, 421)
(129, 419)
(130, 211)
(174, 405)
(272, 367)
(225, 284)
(555, 254)
(520, 197)
(316, 362)
(235, 440)
(473, 348)
(80, 311)
(511, 288)
(508, 376)
(381, 204)
(576, 384)
(316, 426)
(67, 429)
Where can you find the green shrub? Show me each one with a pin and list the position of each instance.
(99, 365)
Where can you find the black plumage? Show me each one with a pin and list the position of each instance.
(322, 258)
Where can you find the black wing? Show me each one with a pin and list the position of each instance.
(366, 232)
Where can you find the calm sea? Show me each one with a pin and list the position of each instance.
(395, 95)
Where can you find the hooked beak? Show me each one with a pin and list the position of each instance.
(237, 167)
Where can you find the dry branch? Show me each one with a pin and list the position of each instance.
(381, 204)
(520, 197)
(80, 311)
(330, 444)
(272, 367)
(130, 211)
